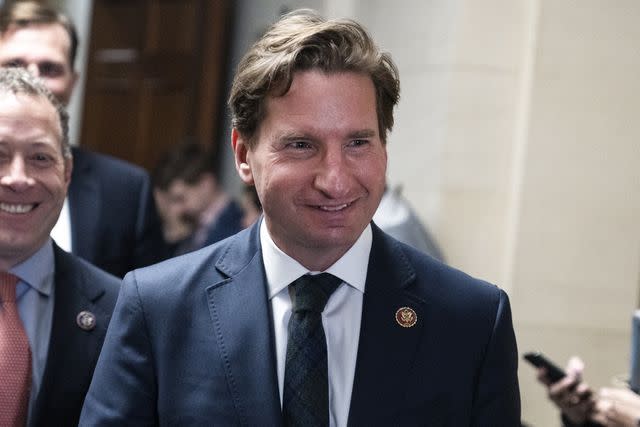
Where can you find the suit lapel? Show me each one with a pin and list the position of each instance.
(84, 207)
(386, 350)
(72, 351)
(240, 311)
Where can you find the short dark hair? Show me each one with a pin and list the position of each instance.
(24, 13)
(303, 40)
(187, 161)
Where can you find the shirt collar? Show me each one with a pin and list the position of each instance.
(37, 270)
(281, 269)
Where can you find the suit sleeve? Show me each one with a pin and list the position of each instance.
(497, 400)
(123, 389)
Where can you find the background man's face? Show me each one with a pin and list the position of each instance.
(188, 202)
(34, 175)
(42, 49)
(319, 163)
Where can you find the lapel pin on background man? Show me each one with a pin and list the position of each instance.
(109, 218)
(313, 316)
(54, 308)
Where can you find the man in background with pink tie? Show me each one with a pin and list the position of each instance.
(54, 308)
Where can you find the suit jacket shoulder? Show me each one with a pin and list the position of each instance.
(436, 347)
(190, 343)
(114, 222)
(73, 351)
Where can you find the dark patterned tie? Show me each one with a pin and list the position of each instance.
(305, 399)
(15, 357)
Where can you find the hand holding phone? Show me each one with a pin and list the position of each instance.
(539, 360)
(571, 395)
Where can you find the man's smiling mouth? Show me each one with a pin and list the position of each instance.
(16, 208)
(334, 208)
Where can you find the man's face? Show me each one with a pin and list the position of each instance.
(43, 49)
(188, 202)
(318, 165)
(34, 175)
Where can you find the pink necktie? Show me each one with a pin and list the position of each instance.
(15, 357)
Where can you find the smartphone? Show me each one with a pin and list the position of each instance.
(539, 360)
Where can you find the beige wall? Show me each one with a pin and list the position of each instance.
(575, 270)
(518, 141)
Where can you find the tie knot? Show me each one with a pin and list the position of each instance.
(313, 292)
(8, 284)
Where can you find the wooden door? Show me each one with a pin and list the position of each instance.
(155, 76)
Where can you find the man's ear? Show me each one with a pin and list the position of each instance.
(241, 154)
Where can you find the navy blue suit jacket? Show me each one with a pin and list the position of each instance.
(73, 352)
(191, 343)
(114, 223)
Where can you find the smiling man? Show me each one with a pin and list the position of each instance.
(109, 218)
(54, 308)
(313, 316)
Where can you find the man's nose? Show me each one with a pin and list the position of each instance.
(333, 175)
(15, 175)
(33, 69)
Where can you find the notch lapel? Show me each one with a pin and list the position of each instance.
(386, 350)
(72, 351)
(240, 311)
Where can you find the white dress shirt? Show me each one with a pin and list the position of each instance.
(61, 232)
(340, 318)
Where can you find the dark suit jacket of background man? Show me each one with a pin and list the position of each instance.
(114, 223)
(73, 352)
(191, 342)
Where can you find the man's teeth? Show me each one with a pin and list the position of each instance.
(334, 208)
(11, 208)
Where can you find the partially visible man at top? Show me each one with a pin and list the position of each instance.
(313, 316)
(186, 185)
(109, 217)
(54, 307)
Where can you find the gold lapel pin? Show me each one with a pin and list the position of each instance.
(406, 317)
(86, 320)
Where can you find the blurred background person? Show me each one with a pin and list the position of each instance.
(193, 200)
(109, 217)
(174, 228)
(581, 406)
(396, 216)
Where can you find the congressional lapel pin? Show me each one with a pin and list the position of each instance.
(86, 320)
(406, 317)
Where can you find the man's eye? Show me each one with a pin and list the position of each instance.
(48, 69)
(13, 64)
(359, 142)
(42, 159)
(299, 145)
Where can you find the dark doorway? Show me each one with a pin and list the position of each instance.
(155, 76)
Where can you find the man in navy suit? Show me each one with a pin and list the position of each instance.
(64, 303)
(109, 218)
(210, 338)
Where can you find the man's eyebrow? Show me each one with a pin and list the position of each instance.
(297, 135)
(291, 136)
(363, 133)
